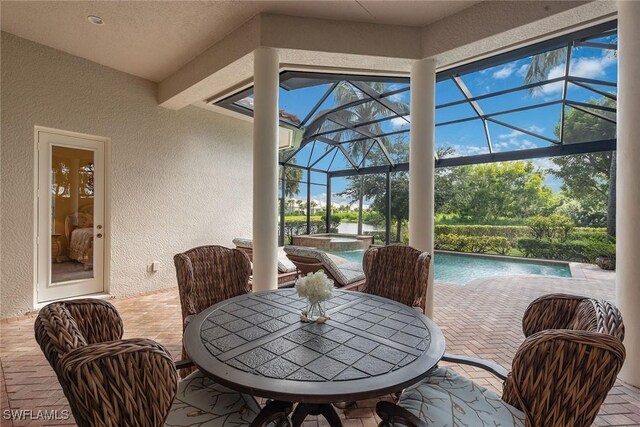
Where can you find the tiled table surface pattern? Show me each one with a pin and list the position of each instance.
(481, 319)
(365, 337)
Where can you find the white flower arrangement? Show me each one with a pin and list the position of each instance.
(316, 287)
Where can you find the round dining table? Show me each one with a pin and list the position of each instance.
(257, 344)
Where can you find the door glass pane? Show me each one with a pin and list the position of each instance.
(72, 216)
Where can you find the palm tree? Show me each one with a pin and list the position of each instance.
(345, 92)
(302, 205)
(312, 205)
(291, 203)
(542, 63)
(537, 71)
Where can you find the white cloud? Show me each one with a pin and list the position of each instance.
(337, 200)
(468, 150)
(522, 71)
(525, 143)
(515, 143)
(512, 134)
(400, 122)
(592, 67)
(545, 164)
(504, 72)
(588, 67)
(535, 129)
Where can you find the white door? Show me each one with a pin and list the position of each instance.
(71, 229)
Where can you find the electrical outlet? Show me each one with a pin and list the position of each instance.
(155, 266)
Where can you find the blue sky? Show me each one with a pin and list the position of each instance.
(468, 138)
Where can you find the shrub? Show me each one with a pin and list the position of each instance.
(550, 227)
(500, 245)
(378, 236)
(475, 244)
(572, 250)
(508, 231)
(599, 236)
(451, 242)
(455, 219)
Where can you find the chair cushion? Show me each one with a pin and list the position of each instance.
(353, 266)
(446, 398)
(201, 401)
(343, 277)
(284, 264)
(241, 242)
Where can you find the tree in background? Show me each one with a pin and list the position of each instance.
(293, 177)
(448, 184)
(399, 201)
(582, 174)
(361, 113)
(374, 187)
(589, 178)
(502, 190)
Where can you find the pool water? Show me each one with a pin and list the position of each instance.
(461, 269)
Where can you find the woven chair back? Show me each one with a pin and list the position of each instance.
(561, 377)
(108, 381)
(57, 333)
(65, 325)
(210, 274)
(400, 273)
(562, 311)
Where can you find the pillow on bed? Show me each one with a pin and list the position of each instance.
(85, 220)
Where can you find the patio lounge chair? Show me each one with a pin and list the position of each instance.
(287, 271)
(207, 275)
(347, 276)
(110, 381)
(572, 338)
(400, 273)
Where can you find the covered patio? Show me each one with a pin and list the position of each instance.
(481, 319)
(192, 153)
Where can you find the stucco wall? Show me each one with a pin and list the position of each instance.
(178, 178)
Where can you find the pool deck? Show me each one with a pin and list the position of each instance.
(480, 319)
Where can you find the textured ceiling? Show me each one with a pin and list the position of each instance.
(154, 39)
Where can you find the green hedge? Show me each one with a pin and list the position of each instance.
(571, 250)
(508, 231)
(598, 236)
(551, 227)
(476, 244)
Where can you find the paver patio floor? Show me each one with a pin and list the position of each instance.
(481, 319)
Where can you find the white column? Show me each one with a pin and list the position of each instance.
(265, 169)
(421, 162)
(628, 190)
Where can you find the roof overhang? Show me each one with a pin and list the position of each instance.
(479, 31)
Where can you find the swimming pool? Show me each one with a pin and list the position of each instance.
(461, 269)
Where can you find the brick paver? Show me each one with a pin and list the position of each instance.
(481, 319)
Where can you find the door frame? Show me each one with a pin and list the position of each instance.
(106, 271)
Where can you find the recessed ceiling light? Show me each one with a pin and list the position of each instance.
(96, 20)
